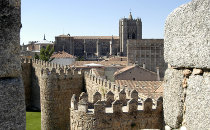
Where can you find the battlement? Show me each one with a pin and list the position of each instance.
(26, 61)
(109, 111)
(110, 105)
(103, 86)
(48, 68)
(59, 73)
(41, 63)
(46, 64)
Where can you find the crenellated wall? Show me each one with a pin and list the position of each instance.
(110, 114)
(57, 84)
(56, 89)
(96, 84)
(37, 66)
(31, 74)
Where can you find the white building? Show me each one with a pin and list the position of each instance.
(63, 58)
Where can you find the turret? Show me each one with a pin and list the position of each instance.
(130, 17)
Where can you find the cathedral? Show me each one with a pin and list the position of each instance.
(97, 46)
(129, 43)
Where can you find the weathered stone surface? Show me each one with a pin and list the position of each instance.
(167, 127)
(56, 91)
(187, 72)
(118, 117)
(12, 104)
(26, 76)
(187, 34)
(198, 102)
(173, 97)
(10, 25)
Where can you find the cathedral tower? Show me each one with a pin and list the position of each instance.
(129, 28)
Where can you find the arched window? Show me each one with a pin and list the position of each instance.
(133, 36)
(130, 36)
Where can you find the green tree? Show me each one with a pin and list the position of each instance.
(36, 56)
(45, 54)
(80, 58)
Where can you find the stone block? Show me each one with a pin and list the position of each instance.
(187, 35)
(12, 104)
(198, 102)
(10, 25)
(173, 97)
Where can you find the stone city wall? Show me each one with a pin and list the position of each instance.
(37, 66)
(96, 84)
(31, 74)
(187, 80)
(12, 100)
(110, 114)
(27, 79)
(56, 90)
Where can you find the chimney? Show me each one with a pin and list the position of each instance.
(158, 74)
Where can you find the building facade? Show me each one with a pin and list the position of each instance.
(87, 46)
(97, 46)
(36, 46)
(147, 53)
(129, 43)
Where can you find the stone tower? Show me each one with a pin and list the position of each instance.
(57, 86)
(129, 28)
(12, 99)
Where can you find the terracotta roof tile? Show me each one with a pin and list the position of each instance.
(131, 67)
(62, 55)
(159, 90)
(123, 70)
(145, 88)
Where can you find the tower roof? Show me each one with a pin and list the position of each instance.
(130, 16)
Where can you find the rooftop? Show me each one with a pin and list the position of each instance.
(44, 41)
(62, 54)
(104, 63)
(152, 89)
(96, 37)
(117, 58)
(131, 67)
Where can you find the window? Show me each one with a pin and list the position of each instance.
(133, 36)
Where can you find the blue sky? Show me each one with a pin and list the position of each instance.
(91, 17)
